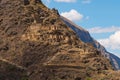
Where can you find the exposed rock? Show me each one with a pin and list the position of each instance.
(36, 39)
(85, 37)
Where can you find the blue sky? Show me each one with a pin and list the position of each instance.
(100, 17)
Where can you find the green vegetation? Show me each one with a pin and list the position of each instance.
(24, 78)
(88, 78)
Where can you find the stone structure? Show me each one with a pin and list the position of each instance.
(26, 2)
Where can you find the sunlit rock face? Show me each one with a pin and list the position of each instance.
(34, 38)
(85, 37)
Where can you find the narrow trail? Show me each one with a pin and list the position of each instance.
(11, 63)
(63, 66)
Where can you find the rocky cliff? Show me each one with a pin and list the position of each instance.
(85, 37)
(34, 38)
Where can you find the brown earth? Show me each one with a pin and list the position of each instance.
(9, 71)
(34, 38)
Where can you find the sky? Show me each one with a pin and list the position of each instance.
(100, 17)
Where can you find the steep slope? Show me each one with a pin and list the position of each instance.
(35, 38)
(10, 71)
(85, 37)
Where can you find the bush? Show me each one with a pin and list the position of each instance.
(88, 78)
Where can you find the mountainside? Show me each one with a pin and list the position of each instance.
(38, 45)
(85, 37)
(9, 71)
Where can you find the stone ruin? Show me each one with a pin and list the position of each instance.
(27, 2)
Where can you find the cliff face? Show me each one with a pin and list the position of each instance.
(85, 37)
(35, 38)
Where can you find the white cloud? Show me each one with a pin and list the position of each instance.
(104, 30)
(86, 1)
(113, 42)
(72, 15)
(68, 1)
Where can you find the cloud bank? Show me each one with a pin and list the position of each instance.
(113, 42)
(104, 30)
(72, 15)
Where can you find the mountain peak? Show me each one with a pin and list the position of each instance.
(27, 2)
(34, 37)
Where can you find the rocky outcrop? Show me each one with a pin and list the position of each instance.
(37, 40)
(85, 37)
(27, 2)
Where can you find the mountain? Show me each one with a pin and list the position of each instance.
(85, 37)
(38, 45)
(10, 71)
